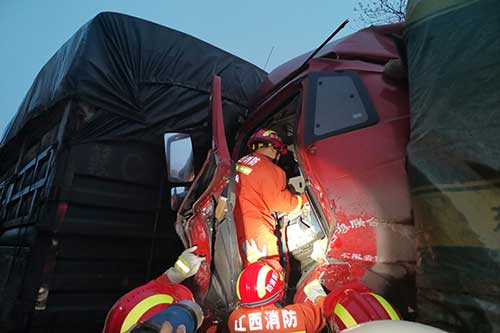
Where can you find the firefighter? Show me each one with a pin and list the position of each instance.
(260, 191)
(353, 304)
(258, 288)
(151, 300)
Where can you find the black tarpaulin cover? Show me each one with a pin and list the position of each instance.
(454, 159)
(143, 79)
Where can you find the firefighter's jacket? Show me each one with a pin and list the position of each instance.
(144, 302)
(302, 317)
(260, 191)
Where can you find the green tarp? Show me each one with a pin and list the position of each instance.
(454, 160)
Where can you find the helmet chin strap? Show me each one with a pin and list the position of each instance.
(276, 156)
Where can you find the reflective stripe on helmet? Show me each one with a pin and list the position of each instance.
(387, 307)
(182, 265)
(238, 287)
(261, 145)
(344, 315)
(261, 280)
(269, 132)
(243, 169)
(263, 301)
(140, 308)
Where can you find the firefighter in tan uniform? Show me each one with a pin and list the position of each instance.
(260, 191)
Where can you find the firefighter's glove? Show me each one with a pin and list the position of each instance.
(252, 251)
(306, 211)
(167, 328)
(314, 290)
(303, 209)
(319, 250)
(186, 265)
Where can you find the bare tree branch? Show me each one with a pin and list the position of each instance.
(380, 11)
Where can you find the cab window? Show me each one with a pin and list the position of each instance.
(337, 102)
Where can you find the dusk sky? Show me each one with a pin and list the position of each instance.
(34, 30)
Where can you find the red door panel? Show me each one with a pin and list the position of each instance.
(359, 177)
(210, 181)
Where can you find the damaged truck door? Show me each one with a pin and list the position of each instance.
(196, 215)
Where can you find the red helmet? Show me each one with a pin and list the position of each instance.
(142, 303)
(354, 304)
(259, 284)
(266, 136)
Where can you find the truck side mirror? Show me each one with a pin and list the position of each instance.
(179, 157)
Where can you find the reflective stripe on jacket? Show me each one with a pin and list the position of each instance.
(303, 317)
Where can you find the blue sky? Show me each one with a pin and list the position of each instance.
(33, 30)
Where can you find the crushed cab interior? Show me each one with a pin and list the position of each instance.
(296, 233)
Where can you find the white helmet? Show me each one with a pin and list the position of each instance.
(392, 326)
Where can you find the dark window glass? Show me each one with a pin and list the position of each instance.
(26, 202)
(12, 209)
(338, 105)
(3, 194)
(43, 165)
(337, 102)
(28, 176)
(18, 184)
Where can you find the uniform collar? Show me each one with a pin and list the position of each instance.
(262, 156)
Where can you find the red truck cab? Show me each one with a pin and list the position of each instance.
(348, 123)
